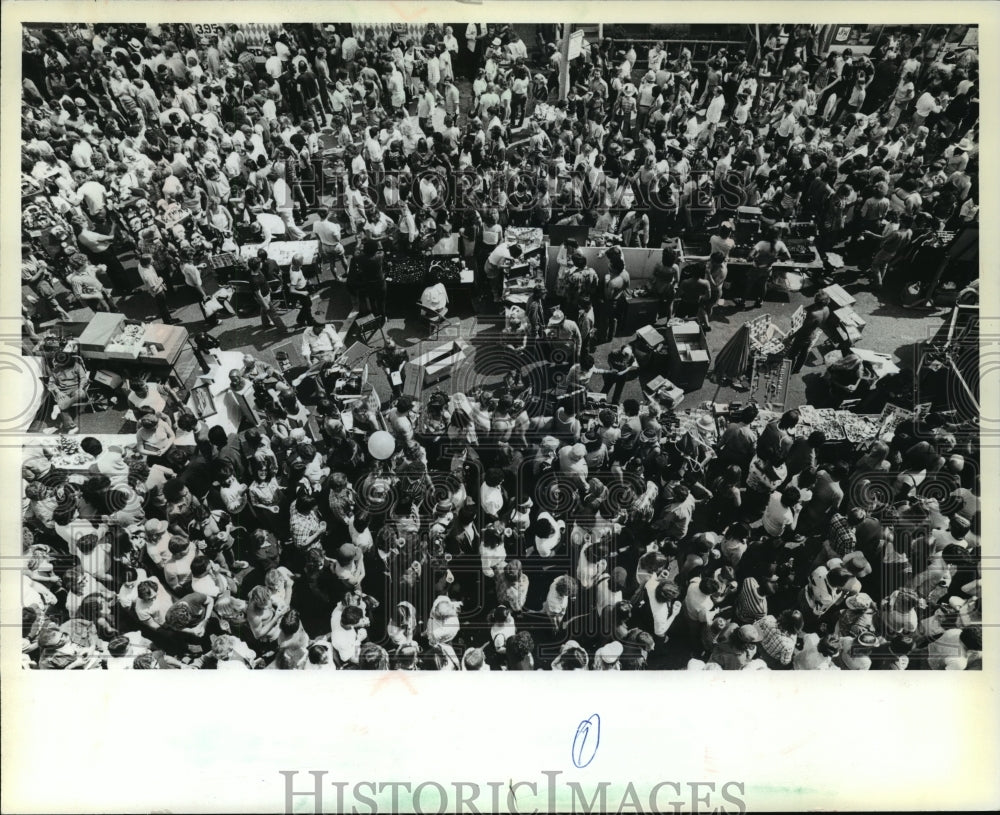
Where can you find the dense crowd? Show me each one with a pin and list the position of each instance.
(513, 525)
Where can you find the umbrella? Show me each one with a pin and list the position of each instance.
(733, 359)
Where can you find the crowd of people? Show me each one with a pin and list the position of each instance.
(512, 525)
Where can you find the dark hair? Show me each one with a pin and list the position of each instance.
(972, 637)
(520, 647)
(187, 421)
(788, 419)
(305, 502)
(87, 543)
(790, 496)
(199, 566)
(709, 585)
(373, 657)
(290, 622)
(792, 621)
(568, 404)
(91, 446)
(172, 489)
(352, 615)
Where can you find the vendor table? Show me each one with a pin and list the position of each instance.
(71, 460)
(76, 464)
(406, 276)
(157, 345)
(282, 252)
(517, 290)
(529, 238)
(228, 413)
(638, 262)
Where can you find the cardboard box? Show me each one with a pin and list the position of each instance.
(689, 356)
(99, 331)
(848, 316)
(649, 335)
(839, 297)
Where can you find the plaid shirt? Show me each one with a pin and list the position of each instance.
(779, 645)
(303, 527)
(842, 539)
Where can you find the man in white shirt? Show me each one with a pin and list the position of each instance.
(349, 48)
(518, 98)
(92, 193)
(925, 105)
(781, 512)
(177, 569)
(373, 150)
(397, 94)
(273, 65)
(319, 339)
(347, 632)
(82, 154)
(284, 203)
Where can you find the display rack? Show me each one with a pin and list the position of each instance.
(769, 381)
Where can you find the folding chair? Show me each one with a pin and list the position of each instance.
(434, 319)
(278, 295)
(243, 300)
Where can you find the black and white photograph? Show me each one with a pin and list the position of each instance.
(665, 297)
(496, 346)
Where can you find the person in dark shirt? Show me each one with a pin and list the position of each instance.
(776, 436)
(392, 358)
(369, 276)
(308, 89)
(801, 340)
(736, 446)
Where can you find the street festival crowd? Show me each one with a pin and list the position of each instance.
(460, 532)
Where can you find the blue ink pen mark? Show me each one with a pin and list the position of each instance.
(586, 741)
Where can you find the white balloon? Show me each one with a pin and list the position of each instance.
(381, 444)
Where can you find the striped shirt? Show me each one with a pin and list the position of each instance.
(750, 606)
